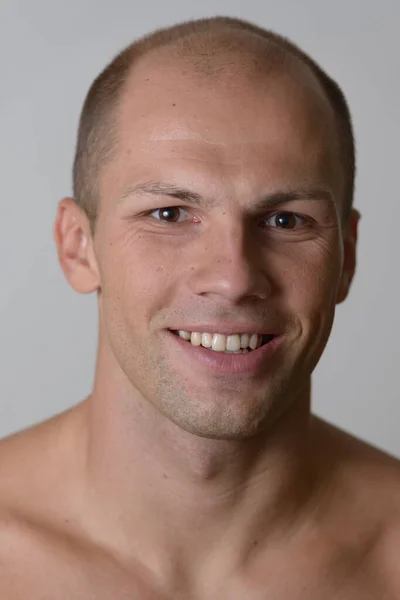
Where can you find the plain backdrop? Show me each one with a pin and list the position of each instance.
(50, 51)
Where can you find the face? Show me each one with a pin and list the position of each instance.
(220, 213)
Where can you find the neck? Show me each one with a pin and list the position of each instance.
(153, 488)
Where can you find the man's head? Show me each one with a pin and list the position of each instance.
(239, 133)
(210, 46)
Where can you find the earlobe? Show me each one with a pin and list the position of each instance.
(74, 246)
(349, 255)
(343, 288)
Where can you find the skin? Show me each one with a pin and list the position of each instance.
(177, 482)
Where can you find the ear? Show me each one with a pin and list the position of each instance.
(350, 234)
(75, 247)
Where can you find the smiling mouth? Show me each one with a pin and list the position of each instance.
(238, 343)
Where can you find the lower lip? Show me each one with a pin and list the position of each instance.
(235, 364)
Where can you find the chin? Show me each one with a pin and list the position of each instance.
(223, 419)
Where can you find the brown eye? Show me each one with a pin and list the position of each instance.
(169, 214)
(283, 220)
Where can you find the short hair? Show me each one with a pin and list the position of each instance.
(97, 131)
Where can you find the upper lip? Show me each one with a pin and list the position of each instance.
(227, 329)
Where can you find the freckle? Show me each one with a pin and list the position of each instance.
(173, 104)
(165, 476)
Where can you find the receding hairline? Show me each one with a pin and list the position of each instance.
(262, 61)
(208, 46)
(197, 47)
(219, 53)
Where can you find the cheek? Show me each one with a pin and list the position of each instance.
(136, 275)
(312, 280)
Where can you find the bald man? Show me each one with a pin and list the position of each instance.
(213, 216)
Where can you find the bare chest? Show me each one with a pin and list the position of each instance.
(87, 578)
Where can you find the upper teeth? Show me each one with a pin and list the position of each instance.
(223, 343)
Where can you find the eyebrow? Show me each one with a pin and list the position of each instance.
(162, 188)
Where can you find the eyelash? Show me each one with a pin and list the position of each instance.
(307, 220)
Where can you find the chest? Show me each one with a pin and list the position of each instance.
(52, 570)
(88, 580)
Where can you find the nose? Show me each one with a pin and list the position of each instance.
(229, 265)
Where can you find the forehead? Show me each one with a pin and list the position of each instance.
(240, 123)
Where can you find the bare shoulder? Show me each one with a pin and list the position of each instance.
(367, 466)
(35, 472)
(31, 463)
(46, 550)
(364, 489)
(32, 460)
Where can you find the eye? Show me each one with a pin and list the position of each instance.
(285, 220)
(170, 214)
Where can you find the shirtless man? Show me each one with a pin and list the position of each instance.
(213, 188)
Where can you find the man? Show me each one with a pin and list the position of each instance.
(213, 217)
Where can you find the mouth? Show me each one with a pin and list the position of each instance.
(237, 343)
(232, 354)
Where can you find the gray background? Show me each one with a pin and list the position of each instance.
(50, 51)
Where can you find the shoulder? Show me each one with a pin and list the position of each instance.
(36, 475)
(366, 475)
(355, 457)
(37, 470)
(31, 460)
(363, 487)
